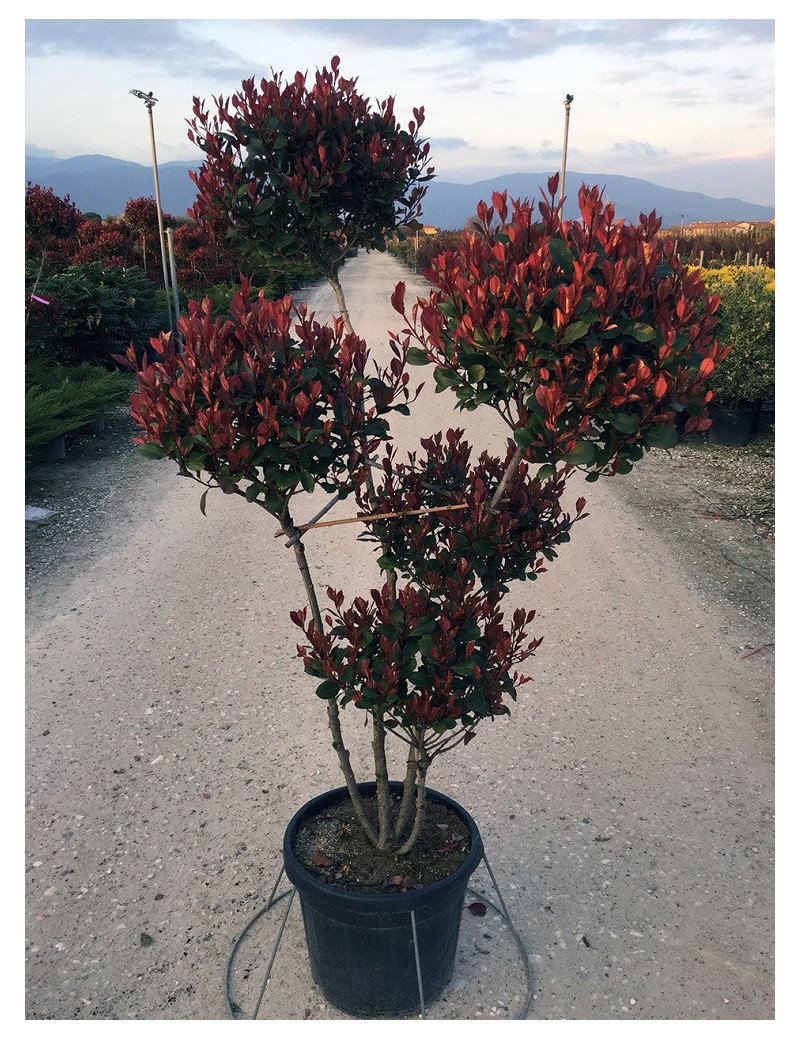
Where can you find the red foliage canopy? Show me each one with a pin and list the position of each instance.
(311, 169)
(587, 336)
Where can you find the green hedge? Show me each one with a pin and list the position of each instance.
(747, 323)
(60, 399)
(92, 312)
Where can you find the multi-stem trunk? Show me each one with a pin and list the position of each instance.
(387, 838)
(395, 835)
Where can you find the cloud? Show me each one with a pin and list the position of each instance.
(449, 143)
(190, 46)
(163, 42)
(392, 33)
(636, 150)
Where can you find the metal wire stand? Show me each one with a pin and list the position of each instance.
(288, 895)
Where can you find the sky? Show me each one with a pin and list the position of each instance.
(684, 103)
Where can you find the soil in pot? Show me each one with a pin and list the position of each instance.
(333, 848)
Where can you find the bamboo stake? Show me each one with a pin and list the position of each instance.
(369, 517)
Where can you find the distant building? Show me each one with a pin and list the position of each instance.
(414, 227)
(723, 227)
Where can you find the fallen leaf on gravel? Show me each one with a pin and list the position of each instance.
(145, 939)
(478, 909)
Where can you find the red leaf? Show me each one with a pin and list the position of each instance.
(319, 859)
(398, 297)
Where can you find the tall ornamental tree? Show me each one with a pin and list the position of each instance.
(310, 169)
(585, 336)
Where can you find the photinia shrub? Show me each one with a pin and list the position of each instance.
(586, 336)
(99, 242)
(50, 223)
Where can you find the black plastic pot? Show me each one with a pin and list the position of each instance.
(733, 427)
(361, 945)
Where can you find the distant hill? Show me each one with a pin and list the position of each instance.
(448, 206)
(100, 184)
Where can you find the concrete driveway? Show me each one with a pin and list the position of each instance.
(626, 806)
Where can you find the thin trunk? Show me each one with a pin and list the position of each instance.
(419, 807)
(334, 722)
(511, 469)
(333, 278)
(407, 804)
(382, 780)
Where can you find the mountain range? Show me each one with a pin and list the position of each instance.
(100, 184)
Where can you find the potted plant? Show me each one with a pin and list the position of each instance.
(584, 336)
(747, 377)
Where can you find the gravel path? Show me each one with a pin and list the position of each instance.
(627, 806)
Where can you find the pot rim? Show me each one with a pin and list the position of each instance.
(305, 881)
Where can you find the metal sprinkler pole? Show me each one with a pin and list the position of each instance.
(562, 183)
(173, 270)
(149, 101)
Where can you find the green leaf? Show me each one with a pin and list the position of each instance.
(476, 373)
(328, 689)
(274, 503)
(444, 379)
(546, 472)
(561, 253)
(524, 437)
(662, 437)
(582, 454)
(642, 333)
(417, 356)
(545, 334)
(624, 422)
(203, 498)
(577, 330)
(152, 451)
(196, 461)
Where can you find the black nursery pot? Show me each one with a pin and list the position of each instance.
(361, 945)
(733, 427)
